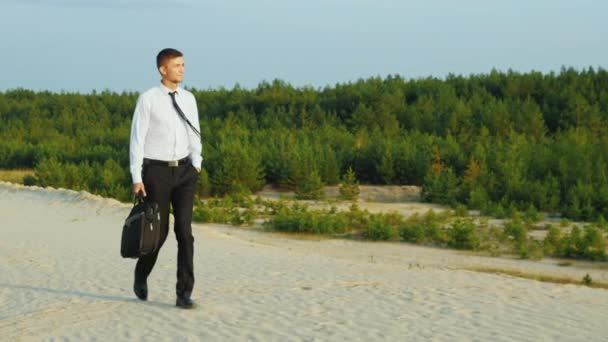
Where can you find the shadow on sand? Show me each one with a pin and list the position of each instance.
(81, 294)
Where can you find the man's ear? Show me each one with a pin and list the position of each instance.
(163, 70)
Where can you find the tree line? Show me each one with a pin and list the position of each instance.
(495, 142)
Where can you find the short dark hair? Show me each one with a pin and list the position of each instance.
(166, 54)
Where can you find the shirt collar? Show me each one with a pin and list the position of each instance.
(166, 90)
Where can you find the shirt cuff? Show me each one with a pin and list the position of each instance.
(136, 175)
(197, 161)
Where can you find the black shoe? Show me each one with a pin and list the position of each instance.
(184, 303)
(141, 289)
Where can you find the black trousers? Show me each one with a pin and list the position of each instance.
(173, 186)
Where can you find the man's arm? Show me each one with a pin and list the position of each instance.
(139, 129)
(195, 146)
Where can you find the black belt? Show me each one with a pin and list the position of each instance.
(171, 163)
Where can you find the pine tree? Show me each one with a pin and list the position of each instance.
(349, 189)
(311, 187)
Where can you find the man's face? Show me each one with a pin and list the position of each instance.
(173, 70)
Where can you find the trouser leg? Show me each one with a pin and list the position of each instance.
(158, 189)
(182, 198)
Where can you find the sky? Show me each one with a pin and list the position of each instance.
(86, 45)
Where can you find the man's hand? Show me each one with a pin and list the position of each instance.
(139, 187)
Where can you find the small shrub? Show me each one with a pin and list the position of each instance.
(311, 187)
(463, 235)
(512, 211)
(29, 180)
(496, 210)
(393, 218)
(589, 244)
(431, 216)
(514, 214)
(248, 216)
(552, 244)
(290, 220)
(531, 215)
(412, 232)
(435, 234)
(426, 229)
(349, 189)
(493, 249)
(594, 244)
(490, 240)
(299, 220)
(203, 186)
(201, 214)
(461, 210)
(587, 279)
(236, 219)
(516, 231)
(547, 227)
(358, 219)
(601, 223)
(572, 243)
(241, 199)
(379, 228)
(530, 249)
(478, 199)
(445, 215)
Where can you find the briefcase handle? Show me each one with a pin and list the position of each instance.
(138, 198)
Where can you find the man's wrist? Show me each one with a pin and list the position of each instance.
(136, 177)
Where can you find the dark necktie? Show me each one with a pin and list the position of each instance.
(181, 113)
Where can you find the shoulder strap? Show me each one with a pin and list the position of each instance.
(183, 116)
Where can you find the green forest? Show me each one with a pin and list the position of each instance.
(493, 142)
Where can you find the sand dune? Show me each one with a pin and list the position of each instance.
(62, 278)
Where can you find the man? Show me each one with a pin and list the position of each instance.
(165, 159)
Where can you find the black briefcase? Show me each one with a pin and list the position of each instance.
(141, 231)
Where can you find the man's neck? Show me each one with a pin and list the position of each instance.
(170, 85)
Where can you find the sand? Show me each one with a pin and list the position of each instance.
(62, 278)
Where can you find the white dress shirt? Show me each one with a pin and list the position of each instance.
(157, 131)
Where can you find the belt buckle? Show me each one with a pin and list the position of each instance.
(173, 163)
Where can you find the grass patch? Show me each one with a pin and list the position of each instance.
(438, 229)
(298, 219)
(16, 176)
(586, 281)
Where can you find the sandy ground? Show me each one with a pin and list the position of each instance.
(62, 278)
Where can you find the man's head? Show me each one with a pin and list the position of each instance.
(170, 63)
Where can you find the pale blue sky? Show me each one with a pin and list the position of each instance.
(81, 45)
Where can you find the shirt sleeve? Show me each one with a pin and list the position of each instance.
(195, 146)
(139, 129)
